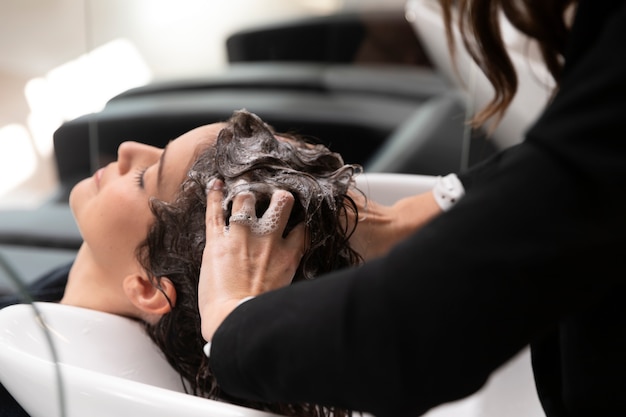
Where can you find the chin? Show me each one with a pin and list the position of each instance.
(78, 195)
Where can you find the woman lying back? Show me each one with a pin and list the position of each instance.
(248, 158)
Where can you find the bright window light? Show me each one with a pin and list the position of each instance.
(17, 157)
(82, 86)
(78, 87)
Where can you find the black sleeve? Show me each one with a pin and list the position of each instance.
(535, 240)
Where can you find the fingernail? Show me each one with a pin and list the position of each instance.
(215, 185)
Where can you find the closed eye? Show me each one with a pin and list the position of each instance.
(139, 177)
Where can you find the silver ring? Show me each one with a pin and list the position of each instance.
(241, 218)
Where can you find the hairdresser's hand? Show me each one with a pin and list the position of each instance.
(248, 258)
(380, 227)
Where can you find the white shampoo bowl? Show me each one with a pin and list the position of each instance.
(107, 367)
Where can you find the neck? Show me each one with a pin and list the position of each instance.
(89, 285)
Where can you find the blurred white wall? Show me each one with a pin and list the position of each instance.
(63, 58)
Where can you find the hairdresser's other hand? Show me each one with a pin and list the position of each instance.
(381, 227)
(245, 259)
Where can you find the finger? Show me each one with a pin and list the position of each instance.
(243, 211)
(277, 214)
(244, 201)
(294, 246)
(297, 238)
(214, 210)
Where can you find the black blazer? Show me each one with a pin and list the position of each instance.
(533, 254)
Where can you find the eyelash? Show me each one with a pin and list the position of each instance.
(139, 177)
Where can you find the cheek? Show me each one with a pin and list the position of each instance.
(113, 221)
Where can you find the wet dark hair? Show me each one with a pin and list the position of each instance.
(246, 155)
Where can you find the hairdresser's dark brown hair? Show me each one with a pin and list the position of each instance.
(478, 23)
(246, 155)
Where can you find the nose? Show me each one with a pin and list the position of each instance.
(133, 154)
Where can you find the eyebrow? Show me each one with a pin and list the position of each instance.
(161, 164)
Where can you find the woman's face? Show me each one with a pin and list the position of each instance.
(112, 208)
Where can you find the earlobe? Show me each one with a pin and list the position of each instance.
(151, 301)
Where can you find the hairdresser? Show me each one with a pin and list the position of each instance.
(533, 253)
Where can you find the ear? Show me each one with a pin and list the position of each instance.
(151, 301)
